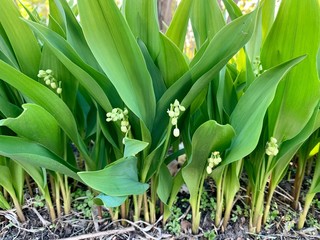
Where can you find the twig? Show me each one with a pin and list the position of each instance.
(101, 234)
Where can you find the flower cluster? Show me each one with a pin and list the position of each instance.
(213, 161)
(257, 67)
(118, 114)
(272, 148)
(174, 113)
(49, 80)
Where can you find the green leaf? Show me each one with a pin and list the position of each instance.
(298, 94)
(171, 61)
(25, 151)
(36, 124)
(212, 60)
(117, 179)
(206, 19)
(142, 17)
(44, 97)
(133, 147)
(232, 8)
(165, 183)
(26, 48)
(209, 137)
(4, 203)
(6, 181)
(179, 24)
(109, 201)
(247, 117)
(118, 53)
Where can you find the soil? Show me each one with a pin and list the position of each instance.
(76, 226)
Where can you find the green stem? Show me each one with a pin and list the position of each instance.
(298, 182)
(196, 214)
(18, 209)
(219, 209)
(227, 212)
(146, 209)
(307, 204)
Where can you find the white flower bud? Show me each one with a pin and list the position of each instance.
(174, 121)
(176, 132)
(109, 114)
(210, 160)
(59, 90)
(47, 82)
(170, 113)
(53, 85)
(272, 151)
(125, 111)
(176, 103)
(273, 140)
(49, 71)
(209, 170)
(216, 161)
(124, 129)
(211, 164)
(182, 108)
(109, 119)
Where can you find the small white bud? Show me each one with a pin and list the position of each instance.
(176, 132)
(174, 121)
(109, 119)
(109, 114)
(176, 103)
(216, 161)
(47, 82)
(209, 170)
(125, 111)
(49, 71)
(210, 160)
(182, 108)
(59, 90)
(171, 113)
(53, 85)
(211, 164)
(124, 129)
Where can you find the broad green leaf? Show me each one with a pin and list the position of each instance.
(165, 183)
(109, 201)
(6, 50)
(74, 34)
(209, 137)
(294, 33)
(171, 62)
(118, 53)
(217, 54)
(157, 79)
(8, 109)
(133, 147)
(44, 97)
(179, 24)
(206, 19)
(94, 82)
(142, 17)
(232, 8)
(6, 181)
(36, 124)
(268, 13)
(25, 151)
(4, 203)
(117, 179)
(26, 48)
(247, 117)
(289, 148)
